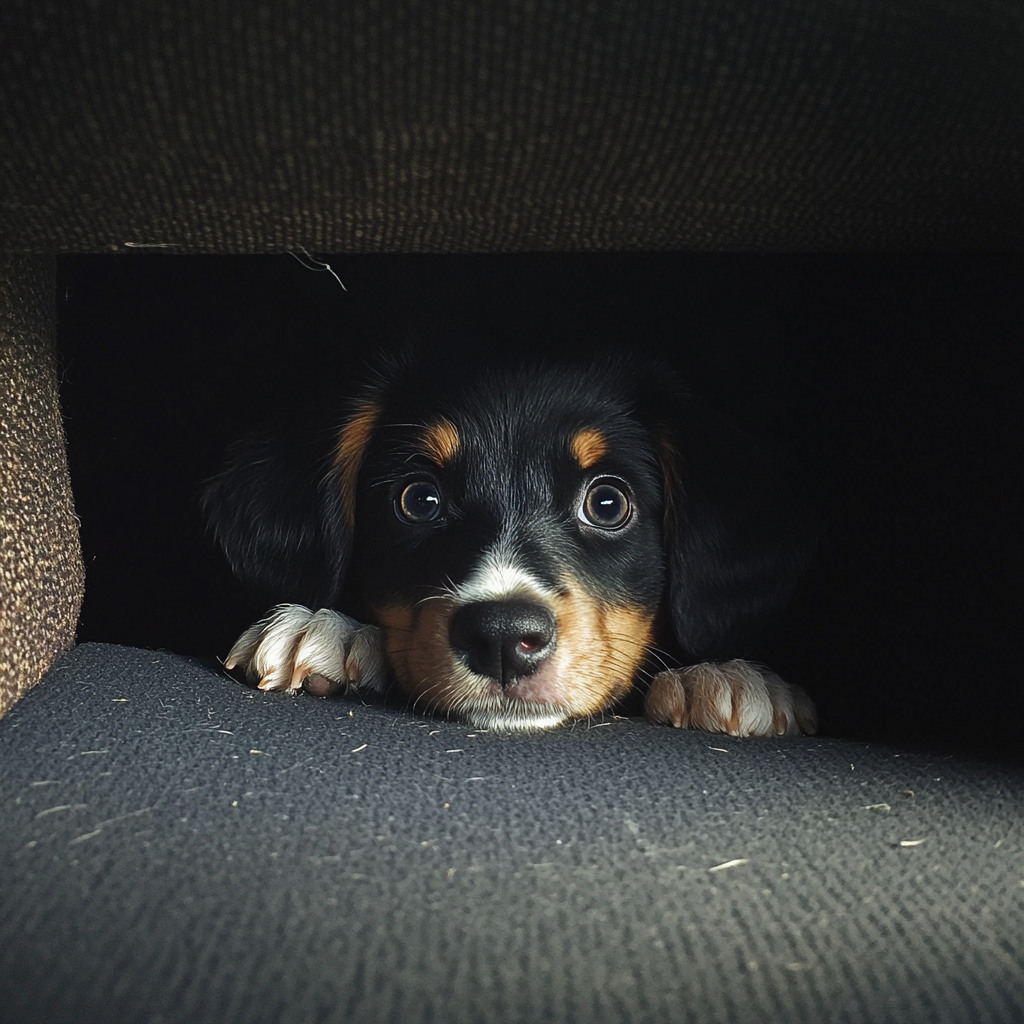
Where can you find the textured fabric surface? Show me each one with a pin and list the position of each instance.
(220, 125)
(176, 846)
(40, 558)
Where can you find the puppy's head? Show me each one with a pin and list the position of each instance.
(507, 536)
(514, 531)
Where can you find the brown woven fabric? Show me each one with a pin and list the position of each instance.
(41, 573)
(228, 126)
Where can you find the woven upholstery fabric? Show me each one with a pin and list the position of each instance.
(177, 846)
(41, 575)
(220, 125)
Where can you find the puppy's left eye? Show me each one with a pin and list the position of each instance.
(419, 502)
(605, 505)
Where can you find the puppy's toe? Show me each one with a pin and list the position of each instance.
(322, 652)
(733, 697)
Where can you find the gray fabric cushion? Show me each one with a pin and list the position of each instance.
(217, 125)
(176, 846)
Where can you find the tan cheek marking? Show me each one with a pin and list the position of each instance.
(348, 458)
(588, 446)
(600, 649)
(416, 641)
(440, 442)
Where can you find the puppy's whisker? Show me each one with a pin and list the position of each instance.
(626, 638)
(662, 657)
(448, 591)
(424, 695)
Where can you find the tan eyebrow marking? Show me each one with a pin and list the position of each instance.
(440, 441)
(348, 458)
(588, 445)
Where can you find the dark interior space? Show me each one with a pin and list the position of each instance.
(893, 379)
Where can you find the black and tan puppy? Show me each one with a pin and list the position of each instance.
(524, 544)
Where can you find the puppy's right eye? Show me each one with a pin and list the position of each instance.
(419, 502)
(605, 505)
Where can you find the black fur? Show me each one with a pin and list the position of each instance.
(278, 520)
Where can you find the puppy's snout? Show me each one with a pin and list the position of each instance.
(503, 640)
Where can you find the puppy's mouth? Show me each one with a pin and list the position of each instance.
(519, 663)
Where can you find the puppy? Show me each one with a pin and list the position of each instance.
(521, 545)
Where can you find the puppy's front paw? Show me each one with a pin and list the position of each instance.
(734, 697)
(323, 650)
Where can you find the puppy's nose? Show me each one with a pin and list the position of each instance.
(503, 640)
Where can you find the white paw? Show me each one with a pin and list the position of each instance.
(733, 697)
(324, 650)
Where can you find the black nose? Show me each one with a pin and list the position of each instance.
(503, 639)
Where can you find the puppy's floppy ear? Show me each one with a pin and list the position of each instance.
(738, 534)
(277, 511)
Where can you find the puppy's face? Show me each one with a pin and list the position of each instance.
(507, 538)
